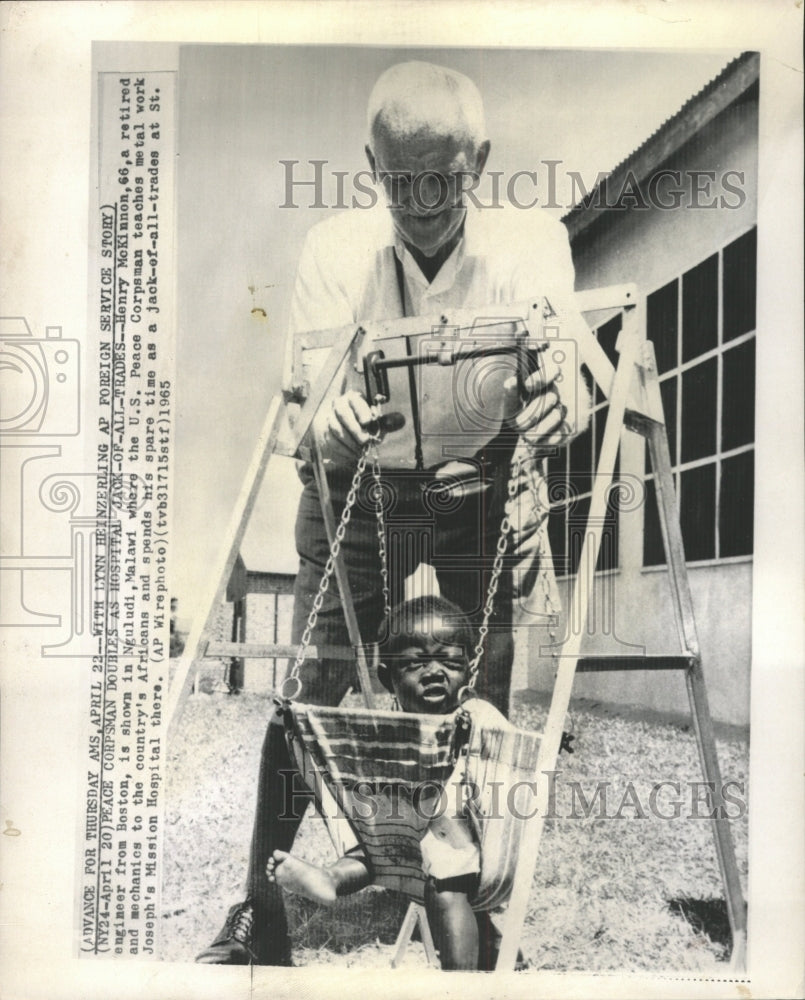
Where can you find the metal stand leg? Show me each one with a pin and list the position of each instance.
(694, 678)
(650, 423)
(414, 915)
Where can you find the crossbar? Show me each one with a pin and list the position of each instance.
(593, 664)
(274, 650)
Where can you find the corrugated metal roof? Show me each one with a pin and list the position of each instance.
(736, 77)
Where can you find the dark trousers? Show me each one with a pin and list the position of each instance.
(455, 533)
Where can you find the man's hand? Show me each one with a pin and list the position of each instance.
(344, 427)
(553, 410)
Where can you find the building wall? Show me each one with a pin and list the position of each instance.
(651, 247)
(643, 621)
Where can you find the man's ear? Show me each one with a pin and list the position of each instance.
(370, 156)
(481, 156)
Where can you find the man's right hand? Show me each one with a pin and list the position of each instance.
(343, 428)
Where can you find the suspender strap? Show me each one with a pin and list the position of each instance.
(418, 456)
(398, 268)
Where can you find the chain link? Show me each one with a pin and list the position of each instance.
(497, 569)
(546, 578)
(329, 568)
(536, 468)
(381, 528)
(369, 455)
(546, 569)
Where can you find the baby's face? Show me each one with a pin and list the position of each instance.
(428, 671)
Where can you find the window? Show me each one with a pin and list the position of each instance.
(571, 475)
(702, 325)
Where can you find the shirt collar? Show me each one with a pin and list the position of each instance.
(449, 271)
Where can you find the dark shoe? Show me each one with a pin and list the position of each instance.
(233, 946)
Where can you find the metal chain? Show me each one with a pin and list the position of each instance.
(369, 455)
(546, 569)
(329, 568)
(497, 569)
(503, 542)
(381, 527)
(545, 565)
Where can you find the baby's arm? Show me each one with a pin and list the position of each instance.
(322, 884)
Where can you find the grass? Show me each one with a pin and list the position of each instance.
(636, 892)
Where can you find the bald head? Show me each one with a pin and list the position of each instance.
(426, 126)
(420, 99)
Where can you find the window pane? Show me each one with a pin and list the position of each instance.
(668, 394)
(653, 552)
(661, 325)
(700, 309)
(576, 532)
(737, 505)
(599, 425)
(608, 553)
(697, 512)
(608, 337)
(556, 536)
(738, 411)
(557, 468)
(595, 390)
(699, 403)
(600, 418)
(740, 277)
(581, 461)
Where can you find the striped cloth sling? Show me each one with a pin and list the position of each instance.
(375, 775)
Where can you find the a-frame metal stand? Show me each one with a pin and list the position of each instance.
(634, 403)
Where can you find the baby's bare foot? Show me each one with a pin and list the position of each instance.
(300, 877)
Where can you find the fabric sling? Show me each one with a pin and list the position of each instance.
(378, 770)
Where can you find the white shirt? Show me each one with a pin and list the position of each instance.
(449, 847)
(346, 272)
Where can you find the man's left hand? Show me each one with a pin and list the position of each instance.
(546, 417)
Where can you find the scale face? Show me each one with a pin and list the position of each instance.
(446, 376)
(455, 391)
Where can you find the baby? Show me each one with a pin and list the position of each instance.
(427, 653)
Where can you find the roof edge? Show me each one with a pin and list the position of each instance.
(734, 80)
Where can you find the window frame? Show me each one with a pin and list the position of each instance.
(719, 455)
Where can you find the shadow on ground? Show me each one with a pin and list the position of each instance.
(705, 916)
(374, 916)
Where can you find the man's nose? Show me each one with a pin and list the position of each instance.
(429, 193)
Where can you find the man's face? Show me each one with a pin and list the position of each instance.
(424, 177)
(428, 672)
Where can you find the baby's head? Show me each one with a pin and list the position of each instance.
(425, 654)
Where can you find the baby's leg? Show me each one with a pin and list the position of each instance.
(489, 941)
(452, 922)
(322, 885)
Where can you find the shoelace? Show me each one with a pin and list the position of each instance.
(242, 926)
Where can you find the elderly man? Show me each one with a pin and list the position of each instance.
(425, 251)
